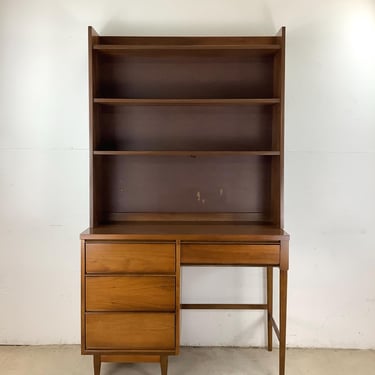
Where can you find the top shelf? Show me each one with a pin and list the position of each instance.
(125, 44)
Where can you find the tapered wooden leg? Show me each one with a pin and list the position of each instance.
(164, 364)
(269, 306)
(283, 303)
(97, 364)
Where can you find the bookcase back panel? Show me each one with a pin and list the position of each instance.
(184, 128)
(185, 184)
(185, 75)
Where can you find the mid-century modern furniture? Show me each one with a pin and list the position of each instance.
(186, 169)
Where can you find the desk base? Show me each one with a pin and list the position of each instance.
(146, 262)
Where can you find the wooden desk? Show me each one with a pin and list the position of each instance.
(186, 168)
(131, 283)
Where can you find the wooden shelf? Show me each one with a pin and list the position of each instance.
(173, 114)
(188, 153)
(239, 101)
(189, 47)
(240, 231)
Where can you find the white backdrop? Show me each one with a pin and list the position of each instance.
(329, 171)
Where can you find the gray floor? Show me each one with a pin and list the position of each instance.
(66, 360)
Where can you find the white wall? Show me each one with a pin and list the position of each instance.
(329, 172)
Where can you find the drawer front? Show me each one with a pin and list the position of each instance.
(236, 254)
(119, 257)
(130, 331)
(130, 293)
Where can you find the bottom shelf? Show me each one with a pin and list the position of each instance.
(207, 217)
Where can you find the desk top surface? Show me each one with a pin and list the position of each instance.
(185, 232)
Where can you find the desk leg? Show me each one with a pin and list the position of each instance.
(164, 364)
(283, 303)
(97, 364)
(269, 306)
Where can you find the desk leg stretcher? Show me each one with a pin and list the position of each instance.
(271, 324)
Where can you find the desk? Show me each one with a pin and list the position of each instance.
(131, 283)
(186, 156)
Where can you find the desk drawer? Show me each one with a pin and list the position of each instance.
(112, 257)
(130, 293)
(130, 331)
(230, 254)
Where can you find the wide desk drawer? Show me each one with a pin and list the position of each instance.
(230, 254)
(130, 331)
(119, 257)
(130, 293)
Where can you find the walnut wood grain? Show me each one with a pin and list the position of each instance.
(232, 254)
(205, 231)
(269, 306)
(107, 257)
(97, 364)
(131, 47)
(186, 40)
(164, 364)
(186, 101)
(83, 297)
(224, 306)
(190, 153)
(129, 358)
(141, 331)
(283, 312)
(178, 295)
(130, 293)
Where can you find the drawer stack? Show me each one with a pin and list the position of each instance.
(130, 297)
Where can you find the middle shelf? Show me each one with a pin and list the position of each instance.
(179, 101)
(187, 153)
(185, 130)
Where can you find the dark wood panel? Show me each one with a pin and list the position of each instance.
(141, 331)
(117, 257)
(130, 293)
(188, 40)
(185, 76)
(234, 254)
(281, 90)
(185, 128)
(259, 48)
(186, 184)
(191, 217)
(190, 153)
(95, 210)
(186, 102)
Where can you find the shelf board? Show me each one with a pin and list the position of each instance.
(188, 153)
(238, 101)
(237, 231)
(190, 47)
